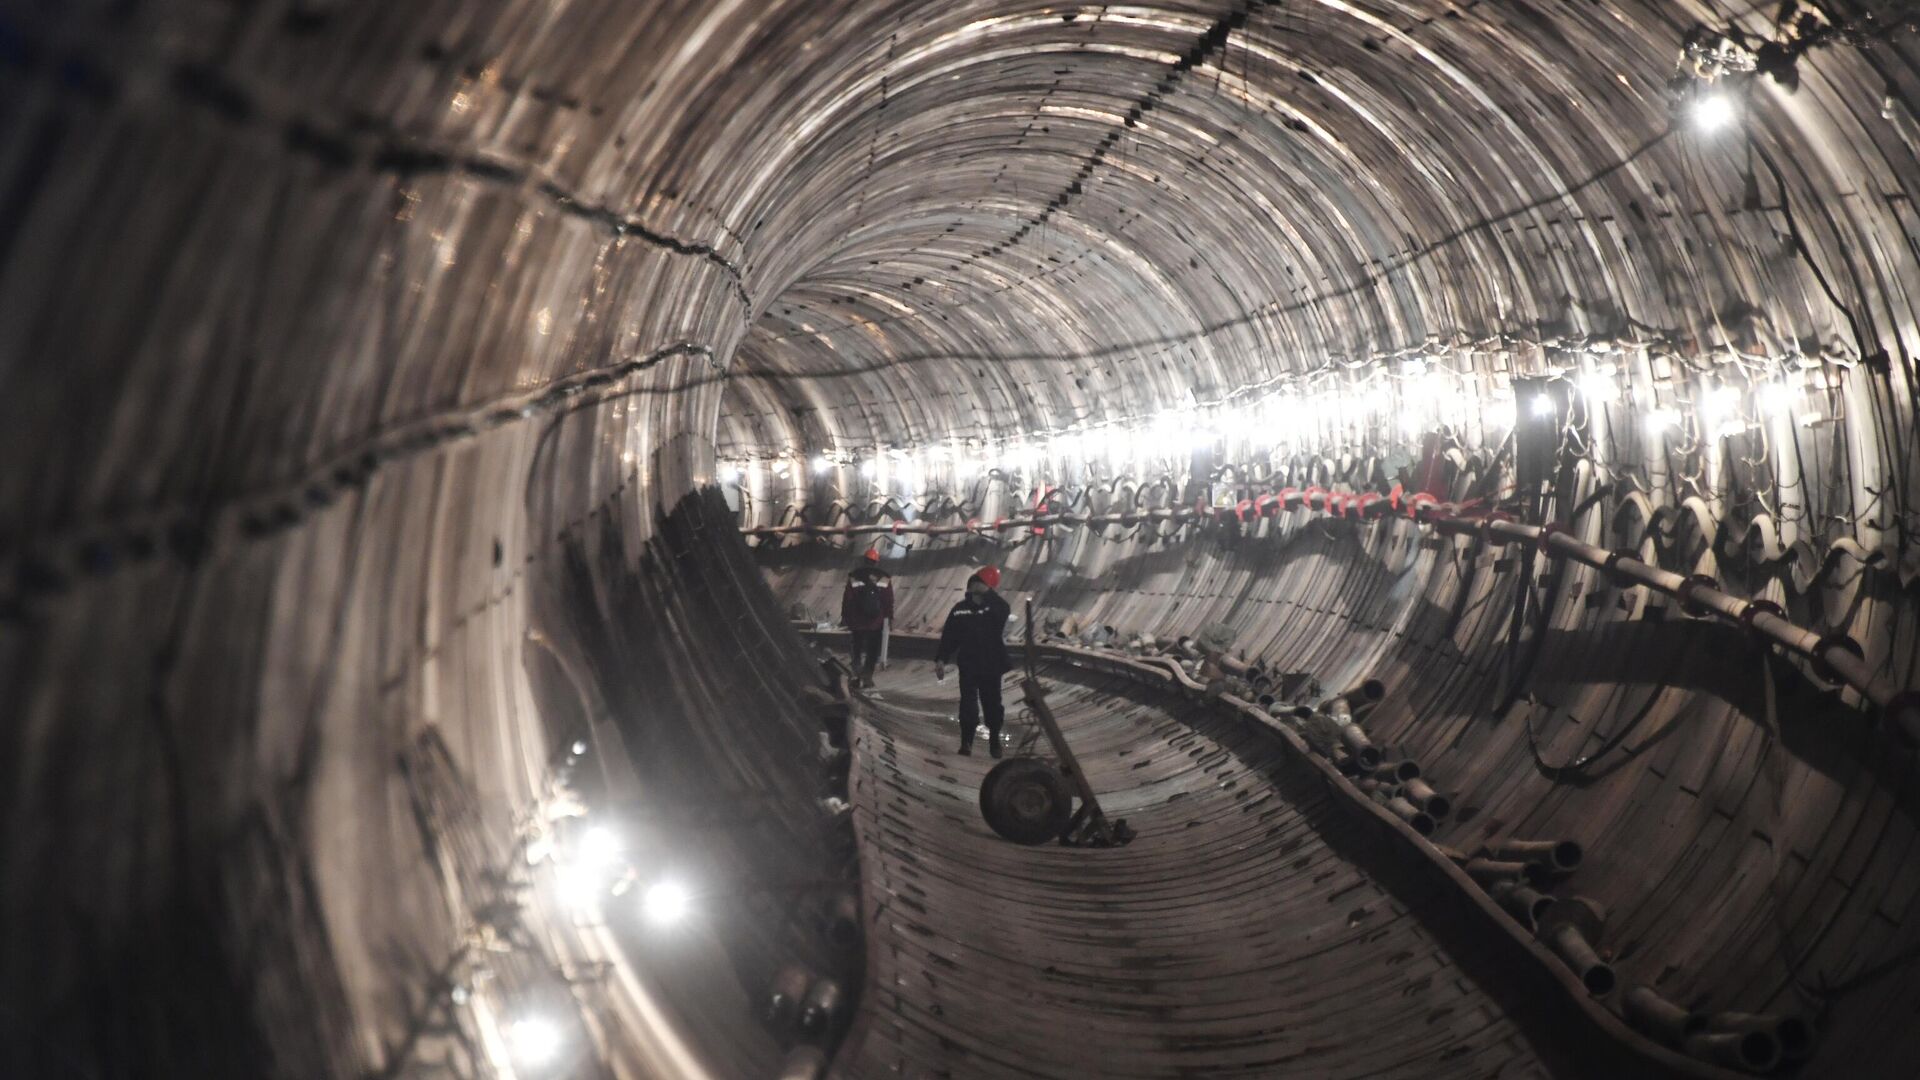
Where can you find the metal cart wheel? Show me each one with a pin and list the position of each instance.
(1026, 800)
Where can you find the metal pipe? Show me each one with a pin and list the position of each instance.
(1525, 904)
(1398, 772)
(1572, 946)
(1754, 1051)
(785, 995)
(1660, 1018)
(1412, 815)
(821, 1009)
(1359, 747)
(1368, 692)
(1490, 872)
(843, 923)
(804, 1063)
(1561, 856)
(1793, 1034)
(1570, 928)
(1421, 795)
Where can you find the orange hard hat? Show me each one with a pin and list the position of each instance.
(873, 555)
(989, 576)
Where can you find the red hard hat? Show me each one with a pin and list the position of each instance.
(873, 555)
(990, 576)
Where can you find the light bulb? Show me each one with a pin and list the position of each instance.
(665, 902)
(1720, 406)
(535, 1040)
(821, 464)
(1713, 111)
(599, 845)
(1659, 420)
(578, 886)
(1597, 388)
(1776, 398)
(1543, 406)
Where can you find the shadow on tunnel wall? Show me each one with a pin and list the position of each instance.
(681, 646)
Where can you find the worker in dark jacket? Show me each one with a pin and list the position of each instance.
(974, 639)
(865, 606)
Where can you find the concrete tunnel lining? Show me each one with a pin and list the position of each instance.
(369, 368)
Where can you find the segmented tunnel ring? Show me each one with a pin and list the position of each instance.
(346, 345)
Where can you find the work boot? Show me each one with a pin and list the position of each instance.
(966, 749)
(993, 747)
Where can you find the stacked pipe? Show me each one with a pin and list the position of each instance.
(1516, 874)
(800, 1003)
(1746, 1041)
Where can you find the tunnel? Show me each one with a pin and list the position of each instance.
(437, 436)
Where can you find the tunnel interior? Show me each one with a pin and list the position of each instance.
(425, 421)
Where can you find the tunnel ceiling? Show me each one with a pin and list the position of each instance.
(360, 358)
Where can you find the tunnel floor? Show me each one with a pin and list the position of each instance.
(1230, 938)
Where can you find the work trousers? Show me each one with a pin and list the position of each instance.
(866, 652)
(980, 693)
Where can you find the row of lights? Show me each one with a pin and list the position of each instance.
(1711, 108)
(1420, 400)
(583, 881)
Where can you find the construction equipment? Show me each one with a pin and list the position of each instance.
(1029, 800)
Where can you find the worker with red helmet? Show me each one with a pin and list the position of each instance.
(974, 638)
(865, 606)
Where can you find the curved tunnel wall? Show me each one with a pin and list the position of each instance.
(330, 332)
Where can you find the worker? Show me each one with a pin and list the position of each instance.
(865, 606)
(974, 638)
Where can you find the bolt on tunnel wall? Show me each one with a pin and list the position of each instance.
(382, 388)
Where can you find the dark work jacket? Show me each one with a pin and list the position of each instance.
(975, 636)
(861, 579)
